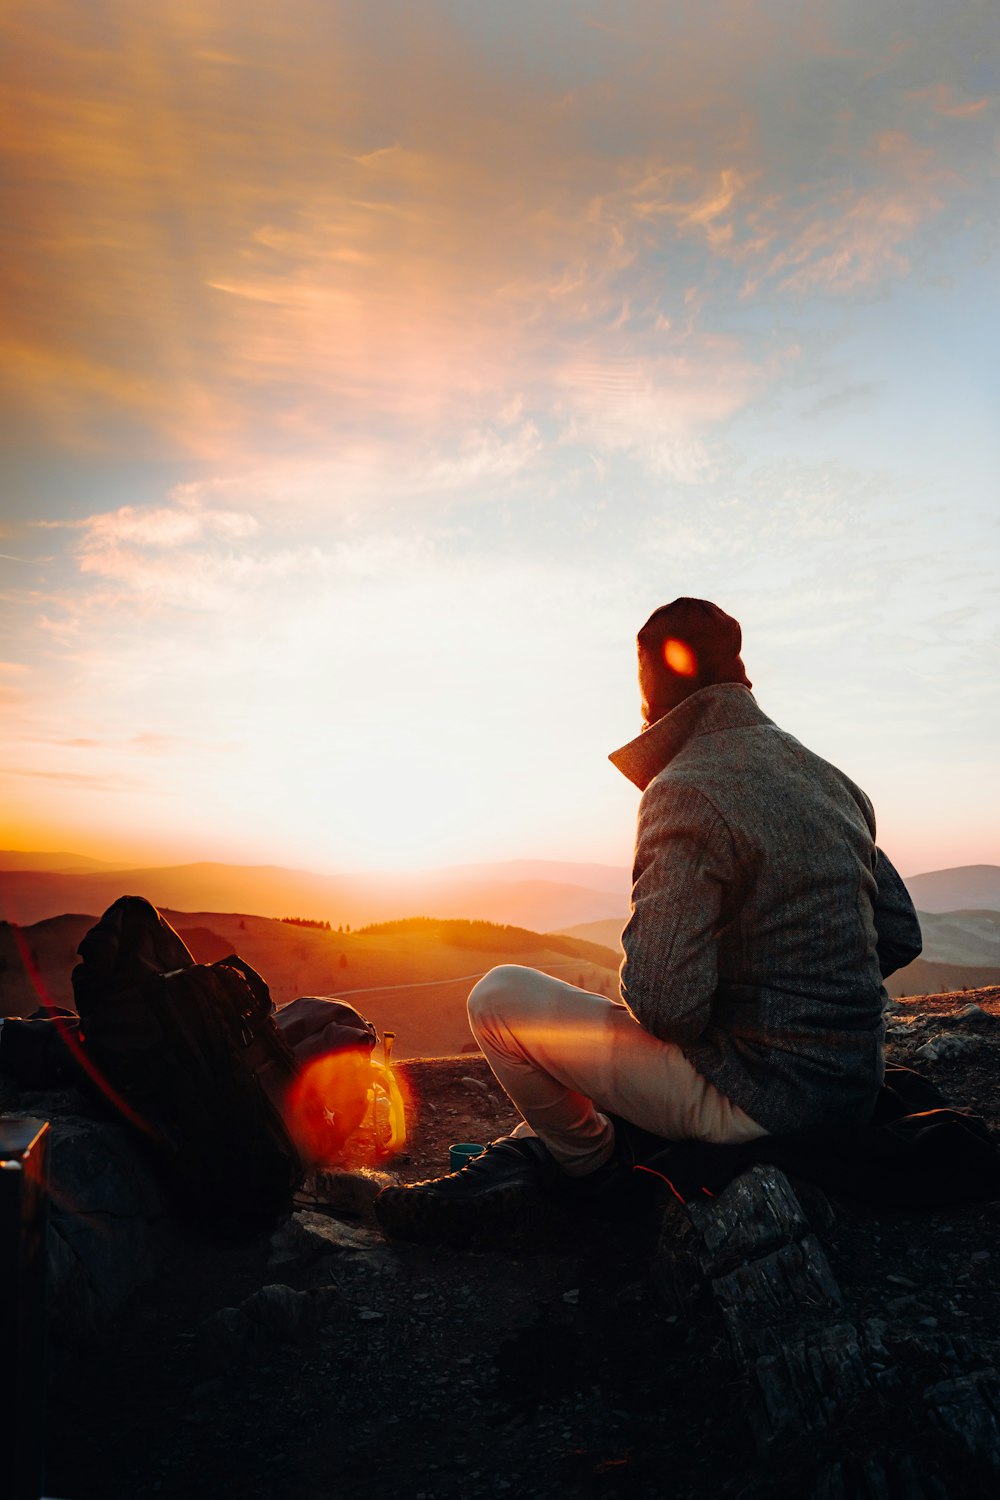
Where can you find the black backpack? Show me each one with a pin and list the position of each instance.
(189, 1055)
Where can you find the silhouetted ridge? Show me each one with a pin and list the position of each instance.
(494, 937)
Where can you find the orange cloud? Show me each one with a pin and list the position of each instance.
(226, 247)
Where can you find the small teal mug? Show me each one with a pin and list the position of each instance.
(461, 1153)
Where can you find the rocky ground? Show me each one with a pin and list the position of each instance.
(325, 1362)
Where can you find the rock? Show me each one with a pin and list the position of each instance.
(474, 1085)
(756, 1213)
(308, 1234)
(967, 1013)
(342, 1192)
(276, 1314)
(110, 1222)
(879, 1477)
(968, 1407)
(763, 1301)
(941, 1048)
(802, 1385)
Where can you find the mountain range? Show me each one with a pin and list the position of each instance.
(540, 894)
(543, 895)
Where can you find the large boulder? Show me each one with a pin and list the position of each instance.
(110, 1223)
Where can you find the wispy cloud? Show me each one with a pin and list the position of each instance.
(192, 276)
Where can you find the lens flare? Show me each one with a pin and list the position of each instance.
(679, 657)
(346, 1104)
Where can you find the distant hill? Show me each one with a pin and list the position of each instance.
(411, 978)
(608, 932)
(929, 978)
(508, 894)
(956, 890)
(542, 895)
(961, 937)
(60, 864)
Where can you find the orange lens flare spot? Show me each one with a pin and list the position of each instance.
(327, 1103)
(342, 1096)
(679, 657)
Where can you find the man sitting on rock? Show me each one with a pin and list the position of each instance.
(763, 920)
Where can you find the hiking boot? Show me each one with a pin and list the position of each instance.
(496, 1193)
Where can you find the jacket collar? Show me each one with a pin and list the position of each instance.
(726, 705)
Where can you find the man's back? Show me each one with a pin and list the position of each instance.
(753, 940)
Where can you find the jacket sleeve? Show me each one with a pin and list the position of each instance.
(896, 925)
(683, 863)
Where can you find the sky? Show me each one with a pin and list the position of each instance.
(373, 370)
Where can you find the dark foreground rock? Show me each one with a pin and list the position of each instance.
(767, 1343)
(110, 1222)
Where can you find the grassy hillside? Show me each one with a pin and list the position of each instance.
(926, 977)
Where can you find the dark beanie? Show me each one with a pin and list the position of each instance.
(711, 637)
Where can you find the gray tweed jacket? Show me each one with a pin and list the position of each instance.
(763, 916)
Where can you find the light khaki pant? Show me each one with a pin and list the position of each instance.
(565, 1056)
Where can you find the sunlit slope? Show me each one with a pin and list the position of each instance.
(414, 982)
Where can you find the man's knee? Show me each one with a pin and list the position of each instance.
(488, 994)
(504, 993)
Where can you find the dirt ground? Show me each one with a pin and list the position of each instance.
(551, 1369)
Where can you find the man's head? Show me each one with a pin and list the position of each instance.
(684, 646)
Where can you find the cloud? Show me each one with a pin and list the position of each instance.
(658, 410)
(200, 272)
(861, 238)
(162, 527)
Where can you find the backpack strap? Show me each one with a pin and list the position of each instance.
(255, 982)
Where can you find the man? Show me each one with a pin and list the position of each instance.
(763, 921)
